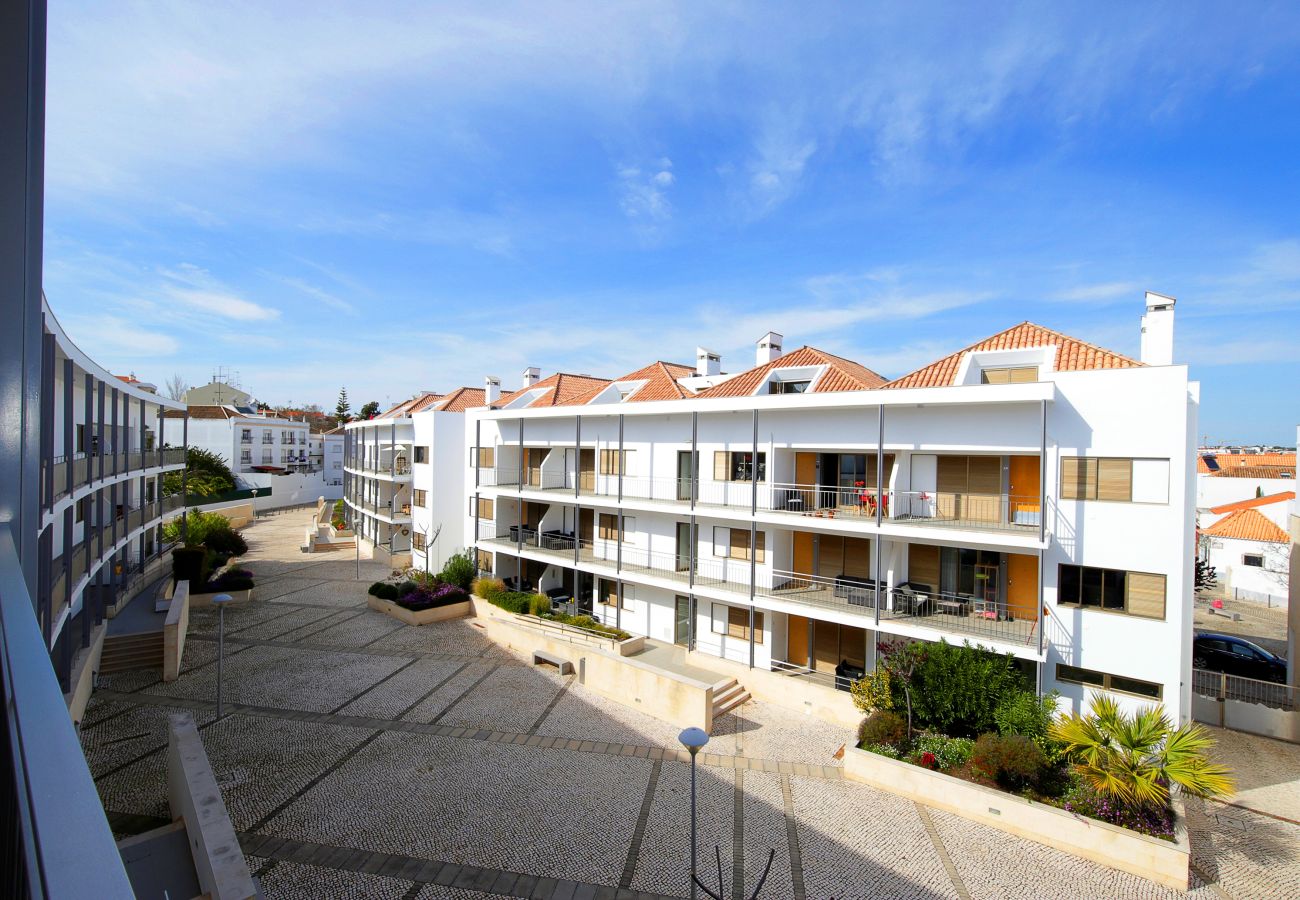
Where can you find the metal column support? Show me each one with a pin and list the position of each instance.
(620, 461)
(1042, 529)
(68, 418)
(113, 432)
(144, 460)
(753, 569)
(577, 455)
(695, 458)
(99, 434)
(880, 499)
(392, 453)
(86, 430)
(185, 476)
(519, 508)
(478, 453)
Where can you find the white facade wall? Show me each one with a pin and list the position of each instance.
(442, 479)
(267, 445)
(1229, 560)
(1147, 414)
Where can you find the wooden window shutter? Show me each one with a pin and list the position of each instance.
(1146, 595)
(486, 457)
(485, 508)
(760, 540)
(953, 474)
(1115, 479)
(608, 526)
(995, 376)
(739, 544)
(1024, 374)
(738, 622)
(1078, 478)
(721, 469)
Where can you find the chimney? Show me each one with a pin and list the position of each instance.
(707, 362)
(532, 375)
(491, 389)
(769, 348)
(1158, 330)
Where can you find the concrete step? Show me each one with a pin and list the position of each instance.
(110, 665)
(720, 709)
(132, 641)
(727, 695)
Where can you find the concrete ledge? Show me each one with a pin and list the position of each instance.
(603, 669)
(195, 798)
(1255, 718)
(236, 597)
(420, 617)
(83, 673)
(175, 627)
(1161, 861)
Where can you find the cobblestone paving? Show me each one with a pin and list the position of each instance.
(334, 794)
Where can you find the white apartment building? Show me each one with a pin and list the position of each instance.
(404, 478)
(101, 493)
(247, 441)
(1032, 493)
(332, 444)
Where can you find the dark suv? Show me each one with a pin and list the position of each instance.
(1235, 656)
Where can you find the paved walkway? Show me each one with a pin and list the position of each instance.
(363, 758)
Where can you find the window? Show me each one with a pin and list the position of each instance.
(609, 593)
(1009, 375)
(1090, 678)
(338, 464)
(246, 457)
(738, 466)
(1134, 593)
(486, 458)
(81, 508)
(246, 436)
(607, 528)
(421, 497)
(733, 543)
(484, 561)
(484, 508)
(1253, 559)
(615, 462)
(1115, 479)
(421, 454)
(417, 541)
(733, 621)
(787, 387)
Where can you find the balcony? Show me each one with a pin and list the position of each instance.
(245, 439)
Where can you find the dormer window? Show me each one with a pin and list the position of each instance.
(1009, 375)
(788, 387)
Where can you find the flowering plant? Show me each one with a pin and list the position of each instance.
(928, 760)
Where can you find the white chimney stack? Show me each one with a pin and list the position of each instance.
(491, 389)
(532, 375)
(769, 348)
(1158, 330)
(707, 362)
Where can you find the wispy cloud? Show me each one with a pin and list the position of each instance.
(196, 289)
(317, 293)
(643, 192)
(127, 338)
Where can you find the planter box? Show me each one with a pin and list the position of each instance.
(1165, 862)
(422, 617)
(235, 597)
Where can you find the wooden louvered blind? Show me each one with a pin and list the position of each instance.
(1115, 479)
(923, 564)
(1145, 595)
(1010, 375)
(608, 527)
(1093, 478)
(614, 462)
(487, 457)
(738, 544)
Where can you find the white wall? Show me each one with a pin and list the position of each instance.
(1227, 557)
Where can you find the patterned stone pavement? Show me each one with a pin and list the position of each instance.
(363, 758)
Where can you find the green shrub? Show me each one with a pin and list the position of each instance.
(405, 588)
(882, 727)
(200, 526)
(948, 752)
(511, 601)
(459, 570)
(375, 589)
(586, 623)
(539, 604)
(227, 542)
(872, 691)
(487, 587)
(1024, 712)
(884, 750)
(1013, 761)
(191, 564)
(955, 689)
(423, 578)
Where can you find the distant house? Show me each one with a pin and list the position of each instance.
(217, 393)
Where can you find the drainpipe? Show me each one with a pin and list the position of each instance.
(1042, 532)
(519, 503)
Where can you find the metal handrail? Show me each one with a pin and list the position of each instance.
(48, 793)
(1222, 686)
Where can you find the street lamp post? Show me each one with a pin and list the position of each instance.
(254, 503)
(693, 739)
(220, 602)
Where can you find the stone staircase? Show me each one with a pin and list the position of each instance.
(727, 695)
(124, 652)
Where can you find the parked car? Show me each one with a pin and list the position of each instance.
(1236, 656)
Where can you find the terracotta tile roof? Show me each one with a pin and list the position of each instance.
(406, 407)
(1072, 355)
(840, 375)
(1285, 473)
(660, 384)
(1212, 463)
(559, 389)
(461, 399)
(1253, 502)
(1247, 525)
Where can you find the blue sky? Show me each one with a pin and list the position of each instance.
(396, 197)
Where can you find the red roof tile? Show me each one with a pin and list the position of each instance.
(461, 399)
(840, 375)
(1072, 355)
(558, 389)
(1247, 525)
(1253, 502)
(660, 384)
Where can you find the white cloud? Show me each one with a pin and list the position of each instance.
(643, 193)
(318, 293)
(118, 341)
(196, 289)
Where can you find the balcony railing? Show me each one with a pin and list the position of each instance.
(46, 792)
(1222, 686)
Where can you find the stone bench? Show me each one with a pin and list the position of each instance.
(541, 656)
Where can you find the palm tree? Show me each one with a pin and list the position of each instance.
(1135, 758)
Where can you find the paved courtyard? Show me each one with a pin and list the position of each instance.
(363, 758)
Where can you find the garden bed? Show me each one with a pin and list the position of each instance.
(422, 616)
(1160, 860)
